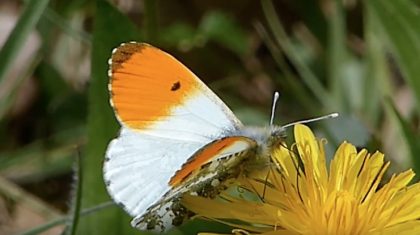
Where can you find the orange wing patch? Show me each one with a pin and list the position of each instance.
(223, 147)
(146, 83)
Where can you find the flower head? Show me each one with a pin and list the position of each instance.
(298, 195)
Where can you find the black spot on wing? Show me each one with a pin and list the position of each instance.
(176, 86)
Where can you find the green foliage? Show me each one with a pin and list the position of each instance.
(216, 26)
(402, 34)
(224, 30)
(8, 53)
(110, 29)
(21, 31)
(412, 138)
(75, 211)
(396, 21)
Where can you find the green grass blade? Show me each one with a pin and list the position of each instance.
(282, 39)
(64, 219)
(67, 28)
(111, 28)
(7, 101)
(337, 55)
(75, 210)
(26, 23)
(411, 138)
(399, 23)
(290, 79)
(312, 15)
(377, 82)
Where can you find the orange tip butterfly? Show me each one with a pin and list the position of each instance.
(176, 137)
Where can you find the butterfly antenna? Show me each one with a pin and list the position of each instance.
(273, 108)
(331, 115)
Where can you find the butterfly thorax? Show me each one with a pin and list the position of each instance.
(266, 138)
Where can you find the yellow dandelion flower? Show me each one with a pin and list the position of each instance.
(298, 195)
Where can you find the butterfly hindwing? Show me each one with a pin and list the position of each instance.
(138, 168)
(205, 174)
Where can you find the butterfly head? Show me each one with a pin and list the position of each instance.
(277, 132)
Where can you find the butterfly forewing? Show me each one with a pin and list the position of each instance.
(167, 114)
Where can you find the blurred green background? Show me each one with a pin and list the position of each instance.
(358, 58)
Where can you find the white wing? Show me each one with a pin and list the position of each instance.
(158, 134)
(138, 168)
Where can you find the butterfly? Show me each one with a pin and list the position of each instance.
(176, 137)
